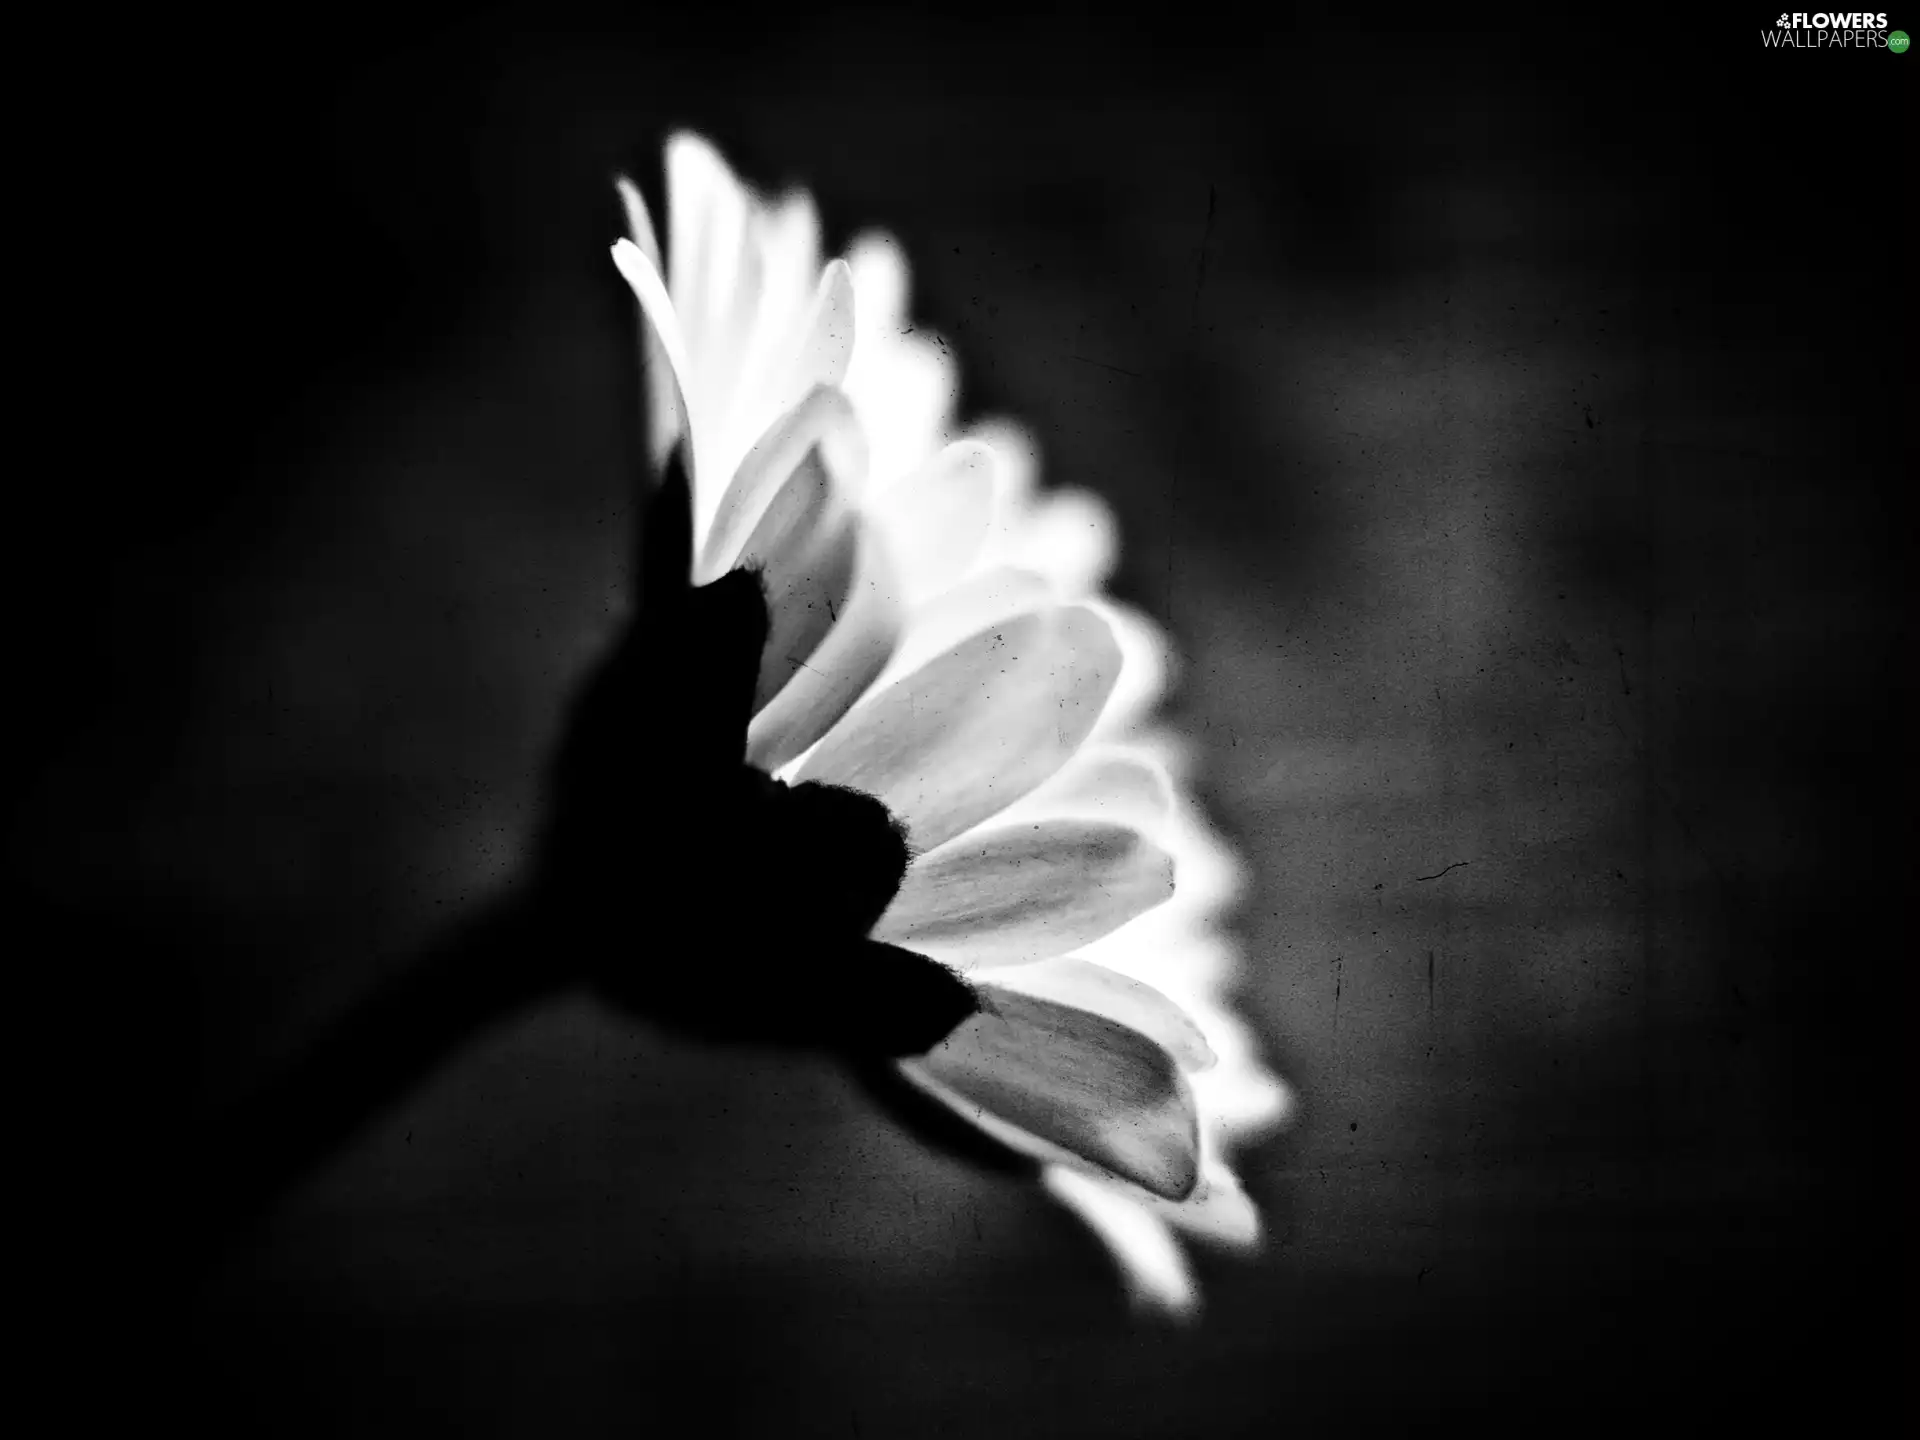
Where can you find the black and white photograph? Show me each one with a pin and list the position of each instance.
(888, 723)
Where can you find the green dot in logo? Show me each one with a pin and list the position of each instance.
(1897, 42)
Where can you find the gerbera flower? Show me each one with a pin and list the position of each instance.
(939, 640)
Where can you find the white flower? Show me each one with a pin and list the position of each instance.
(940, 640)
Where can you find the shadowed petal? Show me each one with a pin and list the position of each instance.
(1016, 895)
(842, 667)
(1088, 986)
(1075, 1081)
(978, 727)
(804, 547)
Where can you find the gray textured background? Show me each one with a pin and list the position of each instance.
(1523, 513)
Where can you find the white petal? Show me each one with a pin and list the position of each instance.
(639, 221)
(1068, 536)
(902, 379)
(671, 393)
(706, 226)
(708, 274)
(1069, 533)
(1244, 1098)
(977, 728)
(726, 338)
(1219, 1211)
(788, 234)
(783, 249)
(823, 341)
(822, 421)
(1150, 1260)
(1010, 896)
(936, 517)
(880, 273)
(665, 417)
(1146, 671)
(1127, 786)
(985, 599)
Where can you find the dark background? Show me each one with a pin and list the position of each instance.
(1507, 427)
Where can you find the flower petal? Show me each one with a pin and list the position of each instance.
(841, 669)
(805, 547)
(783, 249)
(706, 227)
(1127, 786)
(1017, 895)
(1088, 986)
(823, 342)
(788, 233)
(1067, 535)
(1147, 671)
(936, 517)
(902, 378)
(1244, 1098)
(639, 221)
(665, 419)
(1218, 1211)
(822, 422)
(1150, 1260)
(937, 625)
(1080, 1082)
(810, 349)
(669, 384)
(977, 728)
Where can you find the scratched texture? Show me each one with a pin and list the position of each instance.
(1520, 501)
